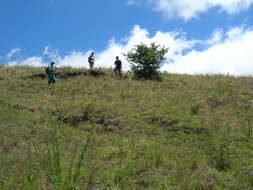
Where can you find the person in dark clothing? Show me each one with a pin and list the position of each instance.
(51, 73)
(118, 66)
(91, 60)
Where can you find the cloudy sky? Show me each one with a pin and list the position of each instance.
(204, 36)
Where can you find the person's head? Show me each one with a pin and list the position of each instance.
(117, 57)
(92, 53)
(52, 63)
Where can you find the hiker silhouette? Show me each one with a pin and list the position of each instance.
(118, 66)
(91, 60)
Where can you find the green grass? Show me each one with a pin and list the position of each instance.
(86, 132)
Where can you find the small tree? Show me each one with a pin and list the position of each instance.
(146, 60)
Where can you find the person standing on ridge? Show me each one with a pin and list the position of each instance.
(51, 73)
(91, 60)
(118, 66)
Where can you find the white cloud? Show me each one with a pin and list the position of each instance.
(52, 54)
(176, 41)
(105, 59)
(231, 56)
(133, 2)
(34, 61)
(217, 37)
(224, 52)
(188, 9)
(75, 59)
(12, 53)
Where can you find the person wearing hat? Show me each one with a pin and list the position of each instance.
(50, 71)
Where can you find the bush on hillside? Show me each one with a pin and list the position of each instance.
(146, 60)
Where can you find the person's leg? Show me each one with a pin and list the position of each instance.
(91, 65)
(49, 79)
(120, 72)
(53, 78)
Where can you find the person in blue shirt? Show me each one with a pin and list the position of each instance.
(51, 73)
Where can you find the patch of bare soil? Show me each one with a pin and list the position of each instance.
(170, 125)
(187, 130)
(66, 75)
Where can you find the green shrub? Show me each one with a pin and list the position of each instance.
(145, 60)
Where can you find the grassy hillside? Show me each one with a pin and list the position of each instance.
(95, 131)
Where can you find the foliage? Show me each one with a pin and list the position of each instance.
(145, 61)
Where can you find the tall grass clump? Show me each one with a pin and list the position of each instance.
(60, 177)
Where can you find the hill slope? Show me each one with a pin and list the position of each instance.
(94, 131)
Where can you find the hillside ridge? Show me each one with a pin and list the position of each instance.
(94, 130)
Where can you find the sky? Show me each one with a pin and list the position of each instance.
(204, 36)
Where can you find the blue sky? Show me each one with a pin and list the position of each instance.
(35, 31)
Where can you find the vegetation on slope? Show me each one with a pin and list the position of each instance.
(95, 131)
